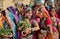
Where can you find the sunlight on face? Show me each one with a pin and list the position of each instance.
(53, 12)
(28, 14)
(39, 14)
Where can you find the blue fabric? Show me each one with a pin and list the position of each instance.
(11, 16)
(12, 9)
(13, 25)
(4, 24)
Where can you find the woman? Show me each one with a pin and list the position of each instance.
(55, 22)
(11, 18)
(35, 27)
(45, 25)
(54, 18)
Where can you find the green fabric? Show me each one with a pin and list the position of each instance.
(25, 23)
(5, 31)
(30, 5)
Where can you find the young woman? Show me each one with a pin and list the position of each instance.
(45, 25)
(34, 26)
(54, 18)
(55, 22)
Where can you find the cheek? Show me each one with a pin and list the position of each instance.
(51, 13)
(30, 14)
(27, 15)
(41, 15)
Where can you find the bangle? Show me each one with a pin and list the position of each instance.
(32, 29)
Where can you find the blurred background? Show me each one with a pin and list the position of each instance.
(6, 3)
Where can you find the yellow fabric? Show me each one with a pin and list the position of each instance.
(1, 25)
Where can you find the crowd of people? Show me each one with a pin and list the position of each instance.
(33, 21)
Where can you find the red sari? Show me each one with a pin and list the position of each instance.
(54, 34)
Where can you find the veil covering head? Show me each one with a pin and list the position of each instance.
(43, 8)
(13, 11)
(46, 13)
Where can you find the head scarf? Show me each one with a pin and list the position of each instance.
(46, 12)
(12, 9)
(28, 9)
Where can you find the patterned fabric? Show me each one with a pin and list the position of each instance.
(30, 36)
(46, 12)
(55, 21)
(13, 11)
(55, 32)
(54, 29)
(10, 18)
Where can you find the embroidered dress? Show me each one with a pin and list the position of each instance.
(26, 25)
(29, 36)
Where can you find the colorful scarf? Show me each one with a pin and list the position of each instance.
(13, 11)
(10, 18)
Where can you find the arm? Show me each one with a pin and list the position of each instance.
(36, 26)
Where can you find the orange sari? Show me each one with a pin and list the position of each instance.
(1, 23)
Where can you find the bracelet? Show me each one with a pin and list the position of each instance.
(32, 29)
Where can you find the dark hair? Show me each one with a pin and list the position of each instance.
(51, 10)
(7, 9)
(33, 6)
(3, 13)
(40, 9)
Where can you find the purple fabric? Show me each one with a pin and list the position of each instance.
(19, 34)
(12, 9)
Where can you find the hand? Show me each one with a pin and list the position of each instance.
(28, 30)
(20, 28)
(23, 33)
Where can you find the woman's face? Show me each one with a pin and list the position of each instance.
(28, 14)
(52, 12)
(39, 14)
